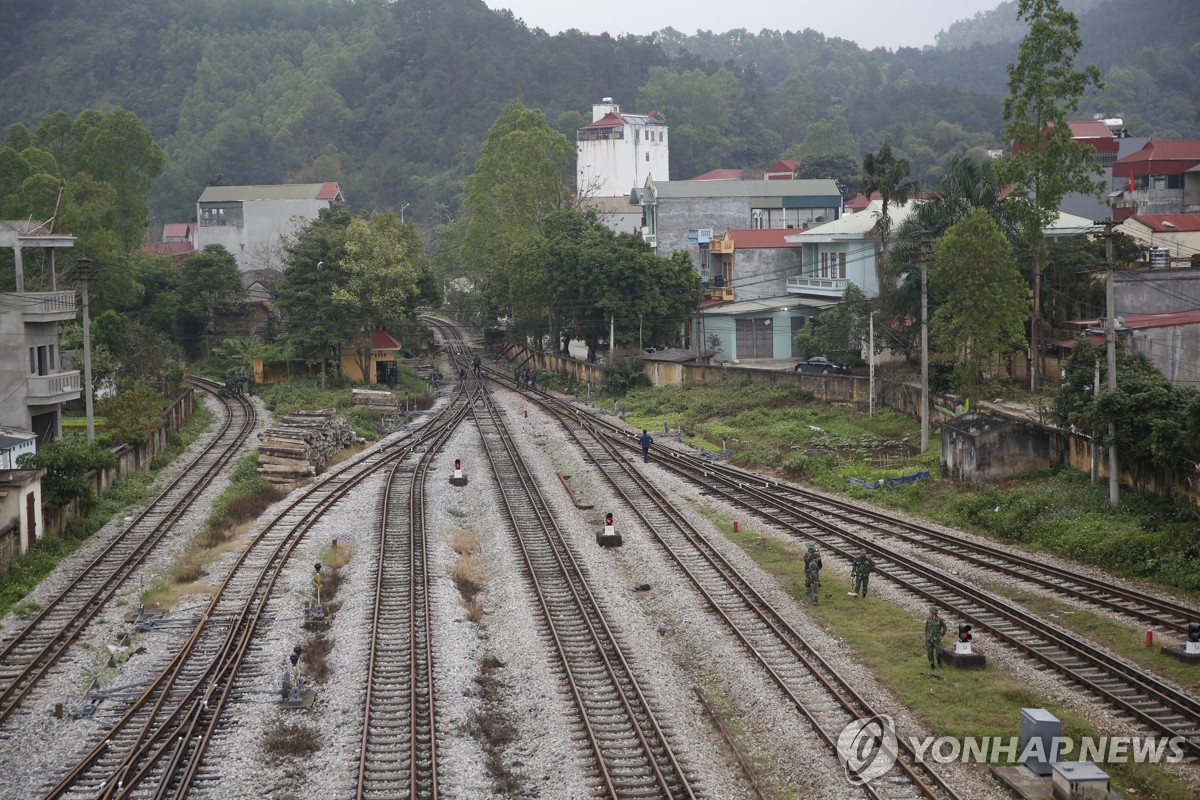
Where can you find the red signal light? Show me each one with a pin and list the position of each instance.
(608, 519)
(457, 464)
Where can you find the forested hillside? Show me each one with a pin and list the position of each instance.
(394, 99)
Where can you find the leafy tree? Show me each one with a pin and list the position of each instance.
(133, 414)
(1156, 422)
(312, 323)
(1044, 90)
(884, 173)
(207, 280)
(522, 175)
(971, 183)
(826, 137)
(67, 462)
(381, 274)
(841, 167)
(596, 275)
(981, 298)
(842, 331)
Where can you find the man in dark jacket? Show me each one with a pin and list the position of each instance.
(645, 441)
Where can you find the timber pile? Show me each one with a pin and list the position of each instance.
(374, 399)
(302, 445)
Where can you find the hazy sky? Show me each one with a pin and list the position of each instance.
(871, 23)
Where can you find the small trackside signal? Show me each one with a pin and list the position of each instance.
(458, 479)
(609, 537)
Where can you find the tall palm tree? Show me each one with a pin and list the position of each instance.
(884, 173)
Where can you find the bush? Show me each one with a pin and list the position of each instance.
(67, 462)
(623, 374)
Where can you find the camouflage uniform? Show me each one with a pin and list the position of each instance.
(812, 578)
(810, 555)
(935, 629)
(863, 566)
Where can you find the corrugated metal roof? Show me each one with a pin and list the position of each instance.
(1152, 159)
(1168, 319)
(282, 191)
(769, 305)
(762, 238)
(1179, 222)
(720, 175)
(800, 188)
(1090, 129)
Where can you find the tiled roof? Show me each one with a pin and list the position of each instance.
(176, 229)
(1168, 319)
(802, 188)
(171, 248)
(330, 191)
(615, 120)
(380, 340)
(762, 238)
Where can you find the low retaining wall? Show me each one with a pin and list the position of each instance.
(1064, 447)
(130, 459)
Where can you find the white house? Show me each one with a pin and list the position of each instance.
(250, 221)
(616, 151)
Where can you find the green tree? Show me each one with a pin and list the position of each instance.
(381, 275)
(67, 462)
(826, 137)
(312, 323)
(841, 167)
(133, 414)
(1044, 90)
(981, 298)
(884, 173)
(841, 331)
(207, 280)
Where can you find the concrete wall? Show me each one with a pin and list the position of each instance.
(612, 167)
(1174, 350)
(980, 447)
(18, 334)
(1156, 291)
(15, 535)
(760, 273)
(674, 217)
(265, 222)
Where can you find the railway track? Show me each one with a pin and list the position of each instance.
(399, 738)
(33, 650)
(631, 752)
(809, 683)
(157, 747)
(843, 529)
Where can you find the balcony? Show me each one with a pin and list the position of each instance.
(820, 287)
(651, 239)
(48, 306)
(41, 390)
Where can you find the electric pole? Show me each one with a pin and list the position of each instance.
(924, 343)
(1110, 336)
(83, 269)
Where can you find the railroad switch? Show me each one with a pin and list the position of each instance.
(296, 693)
(458, 479)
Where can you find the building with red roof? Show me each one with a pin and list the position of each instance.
(616, 152)
(720, 175)
(1162, 178)
(385, 349)
(783, 170)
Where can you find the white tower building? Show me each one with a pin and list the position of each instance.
(617, 152)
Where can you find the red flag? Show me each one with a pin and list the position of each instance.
(1131, 183)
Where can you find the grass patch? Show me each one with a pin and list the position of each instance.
(315, 656)
(890, 642)
(467, 578)
(781, 429)
(247, 496)
(1127, 640)
(285, 739)
(182, 439)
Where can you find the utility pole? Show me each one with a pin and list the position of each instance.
(871, 357)
(321, 300)
(612, 338)
(1110, 336)
(924, 344)
(83, 268)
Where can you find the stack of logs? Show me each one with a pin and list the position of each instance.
(302, 445)
(373, 398)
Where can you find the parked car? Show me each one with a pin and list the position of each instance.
(822, 365)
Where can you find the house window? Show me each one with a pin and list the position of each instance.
(824, 265)
(842, 265)
(647, 156)
(33, 361)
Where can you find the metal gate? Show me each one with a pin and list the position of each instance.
(754, 338)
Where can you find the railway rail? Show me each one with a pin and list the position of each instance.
(160, 741)
(844, 529)
(34, 649)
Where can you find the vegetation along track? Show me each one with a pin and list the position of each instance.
(399, 739)
(161, 739)
(810, 684)
(32, 651)
(843, 529)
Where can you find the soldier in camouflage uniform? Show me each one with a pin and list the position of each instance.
(812, 578)
(811, 555)
(935, 629)
(863, 566)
